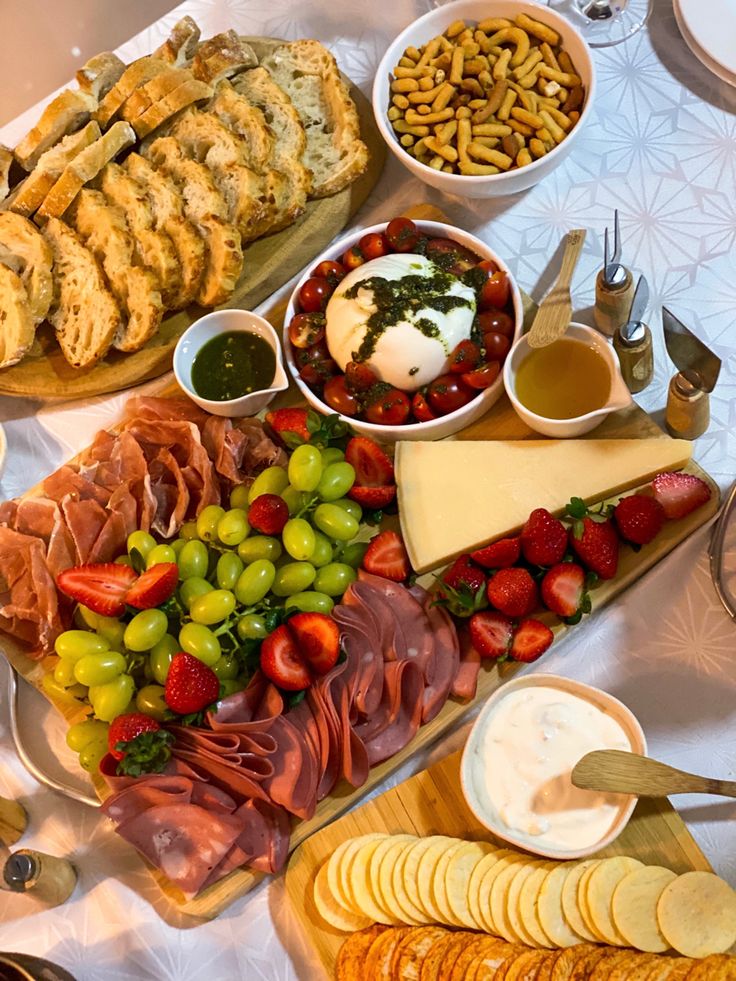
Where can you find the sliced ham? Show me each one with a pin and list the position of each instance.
(445, 662)
(29, 607)
(151, 791)
(466, 680)
(397, 719)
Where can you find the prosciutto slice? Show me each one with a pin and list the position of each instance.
(29, 608)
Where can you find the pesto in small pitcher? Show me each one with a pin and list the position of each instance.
(233, 364)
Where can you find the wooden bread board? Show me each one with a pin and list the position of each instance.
(432, 803)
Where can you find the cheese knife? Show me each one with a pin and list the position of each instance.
(639, 305)
(696, 362)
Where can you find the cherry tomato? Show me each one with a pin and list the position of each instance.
(487, 265)
(450, 255)
(359, 377)
(314, 294)
(353, 258)
(316, 373)
(333, 272)
(374, 245)
(496, 345)
(464, 358)
(339, 398)
(448, 393)
(306, 329)
(392, 408)
(402, 235)
(420, 408)
(496, 321)
(483, 376)
(317, 352)
(495, 292)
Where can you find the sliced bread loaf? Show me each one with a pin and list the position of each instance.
(17, 329)
(224, 260)
(195, 181)
(181, 45)
(138, 73)
(99, 74)
(24, 249)
(69, 111)
(6, 159)
(221, 56)
(189, 92)
(158, 87)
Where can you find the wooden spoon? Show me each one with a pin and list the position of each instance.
(629, 773)
(555, 310)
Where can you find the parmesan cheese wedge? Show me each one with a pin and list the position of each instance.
(455, 496)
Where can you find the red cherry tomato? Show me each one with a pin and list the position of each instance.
(352, 258)
(450, 255)
(339, 398)
(496, 345)
(314, 294)
(483, 376)
(306, 329)
(420, 408)
(495, 292)
(488, 266)
(317, 352)
(316, 373)
(392, 408)
(464, 358)
(374, 245)
(333, 272)
(402, 235)
(359, 377)
(496, 321)
(447, 393)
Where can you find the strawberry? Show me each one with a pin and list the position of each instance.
(596, 544)
(290, 421)
(491, 633)
(387, 557)
(498, 555)
(154, 586)
(680, 493)
(374, 498)
(190, 685)
(543, 538)
(563, 591)
(268, 514)
(373, 468)
(463, 587)
(531, 640)
(639, 518)
(101, 588)
(125, 728)
(513, 592)
(282, 662)
(318, 639)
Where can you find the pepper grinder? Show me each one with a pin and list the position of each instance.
(688, 397)
(49, 879)
(614, 287)
(632, 342)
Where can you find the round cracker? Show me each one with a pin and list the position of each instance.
(586, 965)
(697, 914)
(570, 906)
(494, 963)
(374, 866)
(525, 965)
(582, 901)
(425, 875)
(333, 912)
(547, 966)
(457, 879)
(410, 865)
(528, 904)
(413, 949)
(412, 913)
(337, 867)
(634, 907)
(381, 952)
(385, 896)
(467, 955)
(609, 967)
(499, 899)
(486, 886)
(663, 968)
(351, 956)
(441, 958)
(358, 890)
(439, 890)
(567, 961)
(431, 964)
(599, 889)
(513, 903)
(475, 883)
(549, 908)
(715, 967)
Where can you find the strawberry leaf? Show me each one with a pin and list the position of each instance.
(148, 752)
(577, 508)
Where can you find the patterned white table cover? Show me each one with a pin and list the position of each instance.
(660, 147)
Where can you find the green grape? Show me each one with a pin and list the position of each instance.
(98, 669)
(295, 499)
(230, 685)
(239, 497)
(145, 630)
(193, 560)
(177, 545)
(336, 481)
(159, 554)
(213, 607)
(64, 673)
(147, 670)
(229, 567)
(255, 581)
(227, 667)
(259, 547)
(112, 631)
(208, 520)
(310, 602)
(252, 626)
(335, 522)
(86, 617)
(188, 531)
(82, 733)
(190, 589)
(141, 541)
(294, 577)
(352, 508)
(298, 538)
(150, 701)
(111, 700)
(91, 755)
(305, 467)
(272, 480)
(233, 527)
(161, 656)
(124, 560)
(335, 578)
(331, 454)
(353, 554)
(200, 642)
(73, 644)
(322, 553)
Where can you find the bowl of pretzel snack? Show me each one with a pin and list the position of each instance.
(483, 99)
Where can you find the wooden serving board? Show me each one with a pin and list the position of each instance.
(432, 803)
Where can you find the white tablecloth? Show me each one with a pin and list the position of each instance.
(661, 147)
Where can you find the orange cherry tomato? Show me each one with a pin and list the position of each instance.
(483, 376)
(352, 258)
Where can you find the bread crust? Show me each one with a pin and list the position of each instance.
(17, 330)
(99, 74)
(21, 241)
(66, 113)
(181, 44)
(221, 56)
(137, 73)
(190, 91)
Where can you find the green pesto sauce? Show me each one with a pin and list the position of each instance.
(400, 299)
(233, 364)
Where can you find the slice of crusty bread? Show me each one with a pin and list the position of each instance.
(85, 167)
(84, 312)
(221, 56)
(17, 329)
(66, 113)
(181, 45)
(224, 261)
(134, 75)
(104, 230)
(6, 159)
(194, 180)
(99, 74)
(183, 95)
(158, 87)
(308, 73)
(21, 243)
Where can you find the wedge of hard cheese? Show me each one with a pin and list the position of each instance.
(456, 496)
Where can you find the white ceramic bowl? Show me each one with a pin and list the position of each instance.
(436, 22)
(612, 706)
(619, 396)
(444, 425)
(209, 326)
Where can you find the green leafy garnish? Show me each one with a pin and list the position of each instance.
(148, 752)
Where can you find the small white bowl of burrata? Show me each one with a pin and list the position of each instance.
(517, 764)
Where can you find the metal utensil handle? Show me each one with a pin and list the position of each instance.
(25, 759)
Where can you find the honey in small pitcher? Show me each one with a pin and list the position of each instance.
(563, 380)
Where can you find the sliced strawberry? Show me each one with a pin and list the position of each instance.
(498, 555)
(513, 592)
(289, 421)
(100, 587)
(190, 684)
(543, 538)
(639, 518)
(596, 544)
(268, 514)
(373, 468)
(374, 498)
(125, 728)
(282, 662)
(531, 640)
(680, 493)
(318, 640)
(154, 586)
(387, 557)
(563, 590)
(491, 633)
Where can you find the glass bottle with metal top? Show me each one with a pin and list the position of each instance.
(49, 879)
(633, 344)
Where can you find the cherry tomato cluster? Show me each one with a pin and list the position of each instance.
(473, 366)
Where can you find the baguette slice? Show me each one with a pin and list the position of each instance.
(154, 90)
(99, 74)
(308, 73)
(195, 181)
(6, 159)
(138, 73)
(22, 244)
(221, 56)
(183, 95)
(181, 45)
(66, 113)
(104, 230)
(17, 329)
(85, 167)
(224, 260)
(84, 312)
